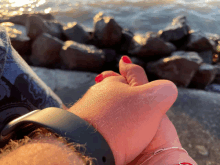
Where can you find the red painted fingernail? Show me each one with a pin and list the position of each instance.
(99, 78)
(126, 59)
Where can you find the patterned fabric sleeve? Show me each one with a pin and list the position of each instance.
(21, 90)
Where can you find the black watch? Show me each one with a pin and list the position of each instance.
(67, 125)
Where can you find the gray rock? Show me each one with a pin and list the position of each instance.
(213, 88)
(198, 42)
(36, 26)
(82, 57)
(107, 32)
(21, 19)
(203, 77)
(207, 56)
(75, 32)
(46, 50)
(179, 68)
(18, 36)
(176, 30)
(151, 47)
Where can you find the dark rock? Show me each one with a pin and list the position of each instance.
(128, 31)
(27, 59)
(82, 57)
(107, 32)
(203, 77)
(176, 30)
(126, 41)
(198, 42)
(207, 56)
(213, 88)
(47, 16)
(18, 36)
(213, 37)
(75, 32)
(21, 19)
(217, 77)
(110, 55)
(46, 50)
(36, 26)
(151, 47)
(179, 68)
(214, 46)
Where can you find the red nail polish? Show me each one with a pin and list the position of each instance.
(126, 59)
(99, 78)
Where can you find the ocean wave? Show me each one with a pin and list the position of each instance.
(138, 16)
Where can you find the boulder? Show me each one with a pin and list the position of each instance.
(18, 36)
(151, 47)
(46, 50)
(214, 46)
(198, 42)
(74, 31)
(110, 55)
(217, 77)
(213, 37)
(213, 88)
(207, 56)
(203, 77)
(179, 68)
(176, 30)
(21, 19)
(36, 26)
(82, 57)
(107, 32)
(126, 41)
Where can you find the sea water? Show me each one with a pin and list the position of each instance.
(137, 16)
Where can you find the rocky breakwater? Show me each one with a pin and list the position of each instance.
(177, 53)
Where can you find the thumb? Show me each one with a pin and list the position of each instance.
(159, 95)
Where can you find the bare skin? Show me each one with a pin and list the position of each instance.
(127, 110)
(166, 135)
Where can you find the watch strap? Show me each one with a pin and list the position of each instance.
(68, 125)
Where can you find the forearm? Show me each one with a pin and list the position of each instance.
(45, 151)
(171, 157)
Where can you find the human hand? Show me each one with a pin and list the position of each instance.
(127, 115)
(166, 135)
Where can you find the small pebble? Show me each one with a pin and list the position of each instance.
(190, 145)
(202, 150)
